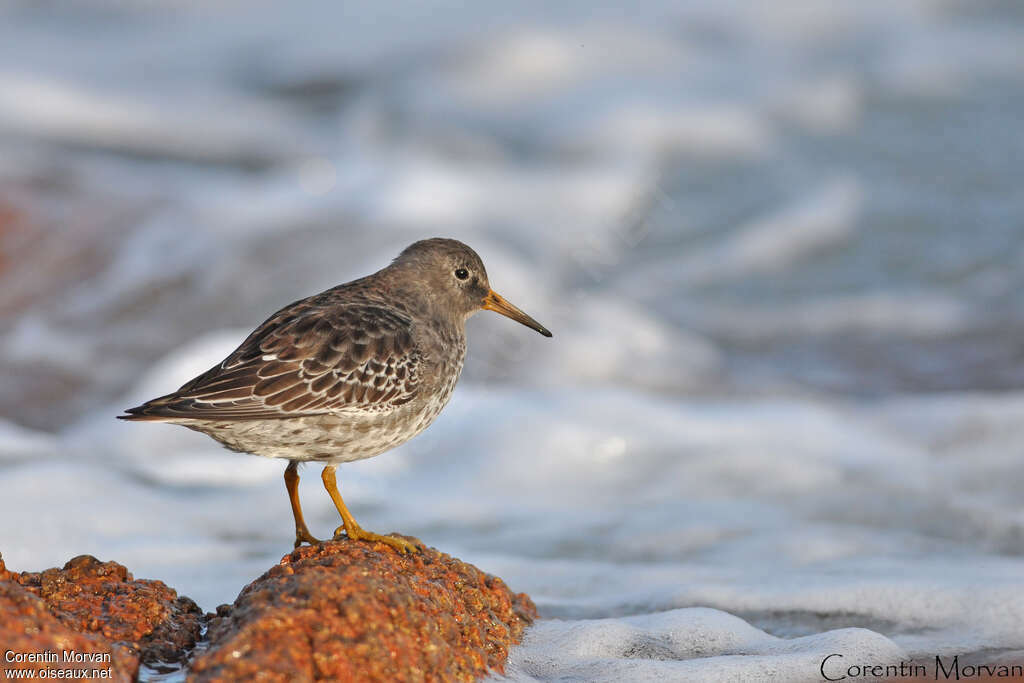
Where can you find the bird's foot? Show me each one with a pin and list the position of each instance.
(357, 533)
(303, 536)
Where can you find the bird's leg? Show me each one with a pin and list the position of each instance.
(291, 482)
(350, 526)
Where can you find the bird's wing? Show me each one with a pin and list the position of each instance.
(304, 361)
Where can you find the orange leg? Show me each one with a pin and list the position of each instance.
(351, 527)
(291, 482)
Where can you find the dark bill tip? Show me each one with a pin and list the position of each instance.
(495, 302)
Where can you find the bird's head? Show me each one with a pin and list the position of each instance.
(452, 279)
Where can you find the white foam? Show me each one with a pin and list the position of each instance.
(685, 644)
(710, 131)
(21, 443)
(69, 113)
(922, 314)
(829, 105)
(826, 217)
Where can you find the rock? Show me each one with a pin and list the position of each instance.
(103, 603)
(34, 639)
(341, 611)
(354, 610)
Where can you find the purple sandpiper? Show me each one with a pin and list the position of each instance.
(345, 374)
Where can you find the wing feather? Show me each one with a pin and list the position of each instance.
(305, 360)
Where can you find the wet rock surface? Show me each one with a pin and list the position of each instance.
(98, 604)
(359, 611)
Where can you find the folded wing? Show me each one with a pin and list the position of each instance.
(304, 361)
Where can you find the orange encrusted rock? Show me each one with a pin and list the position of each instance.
(361, 611)
(103, 599)
(35, 640)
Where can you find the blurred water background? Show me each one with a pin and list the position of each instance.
(780, 245)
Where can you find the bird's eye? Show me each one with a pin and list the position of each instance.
(461, 273)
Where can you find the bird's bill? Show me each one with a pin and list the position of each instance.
(495, 302)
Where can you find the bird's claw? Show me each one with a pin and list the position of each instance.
(402, 545)
(302, 536)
